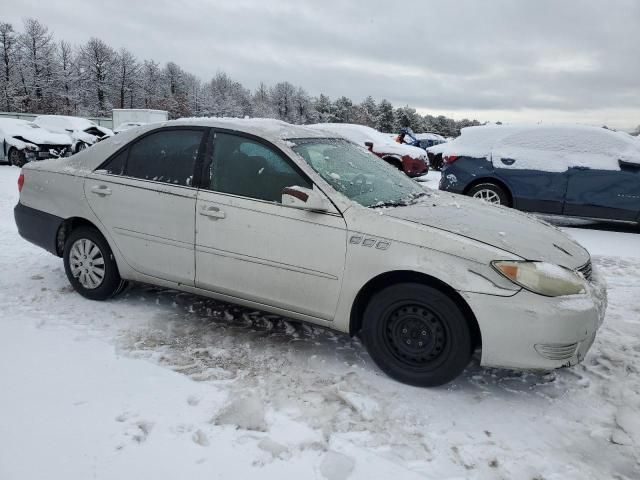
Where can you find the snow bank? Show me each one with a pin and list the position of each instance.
(553, 148)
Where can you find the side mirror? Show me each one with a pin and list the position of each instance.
(305, 198)
(369, 145)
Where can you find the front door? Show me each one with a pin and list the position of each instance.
(609, 194)
(144, 197)
(249, 245)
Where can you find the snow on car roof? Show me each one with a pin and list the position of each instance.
(271, 129)
(549, 147)
(77, 123)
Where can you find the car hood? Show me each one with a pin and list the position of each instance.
(40, 136)
(509, 230)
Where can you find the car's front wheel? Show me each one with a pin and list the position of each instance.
(17, 157)
(90, 265)
(416, 334)
(490, 193)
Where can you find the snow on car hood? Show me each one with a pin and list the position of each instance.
(33, 134)
(500, 227)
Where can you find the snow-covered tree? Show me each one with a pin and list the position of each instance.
(323, 107)
(261, 101)
(385, 118)
(126, 80)
(67, 79)
(8, 78)
(37, 65)
(96, 62)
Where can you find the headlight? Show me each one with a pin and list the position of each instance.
(542, 278)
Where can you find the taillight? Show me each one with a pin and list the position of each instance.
(450, 158)
(20, 182)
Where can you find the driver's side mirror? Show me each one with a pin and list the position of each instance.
(369, 145)
(305, 198)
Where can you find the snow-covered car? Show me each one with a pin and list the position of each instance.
(127, 126)
(285, 219)
(570, 170)
(411, 160)
(23, 141)
(82, 132)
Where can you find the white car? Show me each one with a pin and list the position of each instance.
(411, 160)
(127, 126)
(23, 141)
(289, 220)
(82, 132)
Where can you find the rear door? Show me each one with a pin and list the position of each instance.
(537, 177)
(144, 196)
(251, 246)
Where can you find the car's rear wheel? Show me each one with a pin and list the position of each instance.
(490, 193)
(90, 265)
(416, 334)
(17, 157)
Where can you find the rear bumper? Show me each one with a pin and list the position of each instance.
(532, 332)
(38, 227)
(415, 168)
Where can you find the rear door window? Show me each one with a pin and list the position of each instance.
(167, 156)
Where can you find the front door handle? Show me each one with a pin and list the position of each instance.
(101, 190)
(213, 212)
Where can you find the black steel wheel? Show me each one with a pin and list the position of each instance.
(417, 334)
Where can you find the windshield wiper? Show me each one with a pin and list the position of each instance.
(396, 203)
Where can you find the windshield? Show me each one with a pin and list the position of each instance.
(357, 173)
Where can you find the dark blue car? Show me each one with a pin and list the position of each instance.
(576, 171)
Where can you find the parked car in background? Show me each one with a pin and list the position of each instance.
(24, 141)
(411, 160)
(435, 155)
(305, 224)
(127, 126)
(554, 169)
(420, 140)
(82, 132)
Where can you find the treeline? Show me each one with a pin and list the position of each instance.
(40, 74)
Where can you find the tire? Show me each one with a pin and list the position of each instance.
(416, 334)
(101, 283)
(16, 157)
(491, 193)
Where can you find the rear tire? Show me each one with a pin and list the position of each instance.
(416, 334)
(16, 157)
(90, 265)
(490, 193)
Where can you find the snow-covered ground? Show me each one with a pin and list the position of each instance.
(159, 384)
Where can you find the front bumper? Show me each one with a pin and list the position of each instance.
(533, 332)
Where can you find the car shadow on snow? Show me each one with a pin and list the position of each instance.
(210, 340)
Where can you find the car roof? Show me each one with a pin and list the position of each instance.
(268, 128)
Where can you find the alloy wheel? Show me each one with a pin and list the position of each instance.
(488, 196)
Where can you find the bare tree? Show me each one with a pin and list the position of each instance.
(127, 69)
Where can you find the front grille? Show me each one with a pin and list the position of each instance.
(52, 151)
(586, 271)
(556, 351)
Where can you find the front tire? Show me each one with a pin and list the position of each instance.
(490, 193)
(417, 335)
(17, 157)
(90, 265)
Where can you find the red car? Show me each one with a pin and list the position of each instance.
(411, 160)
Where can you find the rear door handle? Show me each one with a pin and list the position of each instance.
(101, 190)
(213, 212)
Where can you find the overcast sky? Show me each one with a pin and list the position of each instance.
(510, 60)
